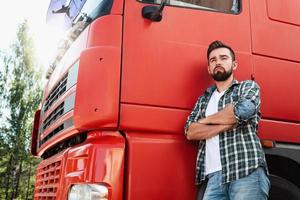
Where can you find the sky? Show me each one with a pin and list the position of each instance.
(45, 37)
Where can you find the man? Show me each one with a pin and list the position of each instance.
(225, 121)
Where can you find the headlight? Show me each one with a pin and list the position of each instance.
(88, 192)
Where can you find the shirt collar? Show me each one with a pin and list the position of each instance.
(212, 88)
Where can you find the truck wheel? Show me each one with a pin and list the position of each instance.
(282, 189)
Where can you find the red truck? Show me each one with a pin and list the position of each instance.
(111, 122)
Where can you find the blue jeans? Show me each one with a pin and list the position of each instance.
(255, 186)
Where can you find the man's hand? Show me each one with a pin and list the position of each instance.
(212, 125)
(199, 131)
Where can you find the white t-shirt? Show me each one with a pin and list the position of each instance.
(212, 156)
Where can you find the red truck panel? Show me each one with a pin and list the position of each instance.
(284, 11)
(278, 80)
(276, 64)
(159, 167)
(279, 131)
(150, 118)
(272, 37)
(100, 70)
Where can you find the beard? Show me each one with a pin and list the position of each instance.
(221, 75)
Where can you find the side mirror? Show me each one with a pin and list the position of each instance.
(153, 13)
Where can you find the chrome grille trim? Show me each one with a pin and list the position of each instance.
(68, 123)
(56, 92)
(60, 110)
(65, 83)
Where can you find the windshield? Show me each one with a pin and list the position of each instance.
(73, 16)
(65, 13)
(226, 6)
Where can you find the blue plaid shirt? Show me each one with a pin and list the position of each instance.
(240, 148)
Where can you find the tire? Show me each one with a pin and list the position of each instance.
(282, 189)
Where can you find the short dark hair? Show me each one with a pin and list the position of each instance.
(218, 44)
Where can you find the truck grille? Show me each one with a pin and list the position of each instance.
(59, 101)
(47, 181)
(53, 116)
(51, 134)
(56, 92)
(59, 111)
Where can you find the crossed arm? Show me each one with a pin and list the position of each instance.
(245, 110)
(212, 125)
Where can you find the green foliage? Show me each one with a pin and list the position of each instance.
(20, 94)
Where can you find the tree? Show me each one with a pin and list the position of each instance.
(20, 95)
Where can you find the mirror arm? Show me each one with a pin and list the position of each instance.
(154, 13)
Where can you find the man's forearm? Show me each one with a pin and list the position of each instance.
(223, 117)
(197, 131)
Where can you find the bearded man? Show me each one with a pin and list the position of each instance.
(225, 120)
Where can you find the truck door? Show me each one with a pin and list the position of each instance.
(164, 60)
(164, 70)
(276, 45)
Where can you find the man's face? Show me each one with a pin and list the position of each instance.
(220, 64)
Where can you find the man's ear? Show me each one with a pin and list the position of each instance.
(234, 65)
(208, 69)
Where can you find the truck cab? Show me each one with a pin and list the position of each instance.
(126, 77)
